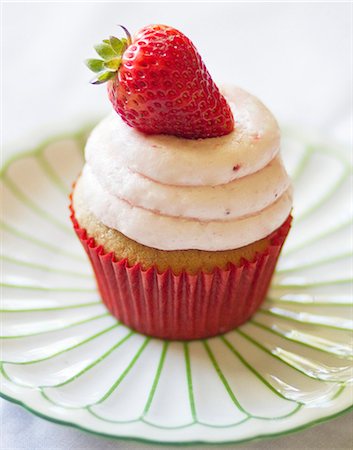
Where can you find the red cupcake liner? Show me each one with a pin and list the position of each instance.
(184, 306)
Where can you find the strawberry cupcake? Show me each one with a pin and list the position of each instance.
(183, 204)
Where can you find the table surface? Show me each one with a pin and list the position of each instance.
(295, 57)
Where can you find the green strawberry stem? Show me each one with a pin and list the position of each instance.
(111, 51)
(128, 35)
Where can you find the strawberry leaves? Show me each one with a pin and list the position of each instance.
(103, 77)
(96, 65)
(111, 51)
(117, 44)
(105, 51)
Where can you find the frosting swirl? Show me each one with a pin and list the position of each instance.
(174, 194)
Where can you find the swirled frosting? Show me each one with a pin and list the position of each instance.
(173, 194)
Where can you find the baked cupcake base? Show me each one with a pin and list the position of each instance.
(182, 304)
(178, 260)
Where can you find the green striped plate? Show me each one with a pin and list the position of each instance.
(67, 359)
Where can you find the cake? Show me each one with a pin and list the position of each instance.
(184, 228)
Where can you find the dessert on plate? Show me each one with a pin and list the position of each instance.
(183, 204)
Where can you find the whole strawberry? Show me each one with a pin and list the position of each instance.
(159, 84)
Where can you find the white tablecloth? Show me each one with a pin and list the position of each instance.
(295, 57)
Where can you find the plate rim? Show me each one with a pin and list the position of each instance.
(259, 437)
(79, 135)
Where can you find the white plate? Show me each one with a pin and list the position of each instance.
(67, 359)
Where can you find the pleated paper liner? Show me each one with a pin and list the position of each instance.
(184, 306)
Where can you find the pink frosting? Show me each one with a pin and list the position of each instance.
(172, 193)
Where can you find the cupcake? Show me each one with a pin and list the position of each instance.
(183, 204)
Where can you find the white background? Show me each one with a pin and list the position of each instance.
(295, 56)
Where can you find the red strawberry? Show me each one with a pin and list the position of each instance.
(159, 84)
